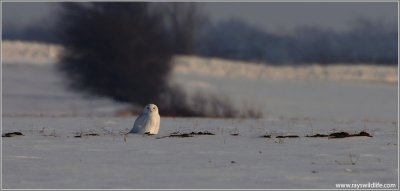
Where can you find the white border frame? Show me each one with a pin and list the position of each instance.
(227, 1)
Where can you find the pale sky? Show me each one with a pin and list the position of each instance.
(278, 17)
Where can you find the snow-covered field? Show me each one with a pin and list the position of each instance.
(36, 103)
(250, 70)
(49, 156)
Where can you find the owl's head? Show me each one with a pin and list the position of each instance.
(150, 108)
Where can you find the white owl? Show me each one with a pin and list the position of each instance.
(148, 122)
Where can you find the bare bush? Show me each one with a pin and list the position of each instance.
(203, 104)
(124, 51)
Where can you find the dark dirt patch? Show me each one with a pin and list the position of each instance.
(288, 136)
(339, 135)
(12, 134)
(345, 134)
(281, 136)
(266, 136)
(80, 135)
(317, 135)
(342, 134)
(202, 133)
(332, 135)
(183, 135)
(362, 133)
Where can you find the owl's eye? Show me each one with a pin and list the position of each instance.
(154, 108)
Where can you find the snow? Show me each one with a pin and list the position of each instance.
(40, 89)
(250, 70)
(40, 161)
(17, 52)
(36, 102)
(301, 99)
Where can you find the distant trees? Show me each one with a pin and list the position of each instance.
(184, 21)
(368, 42)
(235, 39)
(32, 32)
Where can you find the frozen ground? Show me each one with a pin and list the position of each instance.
(36, 103)
(49, 156)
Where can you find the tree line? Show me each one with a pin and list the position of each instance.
(368, 42)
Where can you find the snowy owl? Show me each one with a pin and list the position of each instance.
(148, 122)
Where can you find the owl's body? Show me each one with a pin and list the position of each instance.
(148, 121)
